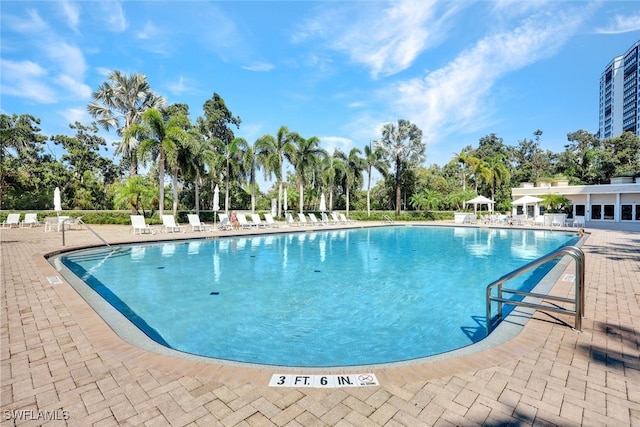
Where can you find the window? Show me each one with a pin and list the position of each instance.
(609, 211)
(626, 214)
(637, 212)
(579, 210)
(596, 212)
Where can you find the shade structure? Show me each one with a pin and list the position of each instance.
(527, 200)
(323, 203)
(57, 200)
(480, 200)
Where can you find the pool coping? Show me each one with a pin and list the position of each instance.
(503, 342)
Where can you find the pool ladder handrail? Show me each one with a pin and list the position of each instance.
(578, 300)
(79, 219)
(386, 219)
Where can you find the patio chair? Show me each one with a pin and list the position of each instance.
(302, 219)
(578, 221)
(257, 222)
(314, 219)
(270, 222)
(290, 221)
(31, 220)
(325, 219)
(224, 222)
(242, 219)
(169, 225)
(138, 225)
(196, 225)
(336, 218)
(345, 220)
(12, 219)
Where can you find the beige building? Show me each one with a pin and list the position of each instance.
(615, 205)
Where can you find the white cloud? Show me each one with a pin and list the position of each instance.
(75, 88)
(112, 14)
(387, 40)
(24, 79)
(458, 95)
(67, 57)
(73, 115)
(149, 31)
(332, 143)
(72, 13)
(621, 24)
(259, 67)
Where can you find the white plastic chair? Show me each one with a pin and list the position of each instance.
(169, 225)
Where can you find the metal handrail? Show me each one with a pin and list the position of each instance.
(386, 219)
(79, 219)
(578, 299)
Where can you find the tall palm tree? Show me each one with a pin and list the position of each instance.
(373, 159)
(118, 104)
(250, 165)
(233, 154)
(271, 154)
(402, 145)
(332, 167)
(464, 159)
(201, 158)
(354, 165)
(304, 156)
(162, 139)
(497, 172)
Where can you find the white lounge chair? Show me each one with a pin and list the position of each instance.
(138, 225)
(325, 219)
(196, 225)
(12, 219)
(336, 218)
(344, 219)
(30, 220)
(578, 221)
(224, 222)
(270, 222)
(257, 222)
(314, 220)
(290, 221)
(169, 225)
(242, 219)
(302, 219)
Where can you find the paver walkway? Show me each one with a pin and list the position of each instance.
(62, 365)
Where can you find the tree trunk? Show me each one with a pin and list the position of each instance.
(398, 193)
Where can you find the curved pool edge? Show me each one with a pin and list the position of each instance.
(504, 338)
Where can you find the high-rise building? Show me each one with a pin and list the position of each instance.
(619, 93)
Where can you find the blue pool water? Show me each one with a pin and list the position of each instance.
(316, 299)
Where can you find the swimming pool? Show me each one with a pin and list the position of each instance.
(315, 299)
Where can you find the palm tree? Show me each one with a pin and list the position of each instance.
(498, 172)
(270, 153)
(464, 158)
(354, 166)
(118, 104)
(402, 145)
(332, 167)
(201, 158)
(162, 139)
(428, 199)
(233, 155)
(373, 159)
(251, 163)
(304, 155)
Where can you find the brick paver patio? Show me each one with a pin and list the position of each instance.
(62, 365)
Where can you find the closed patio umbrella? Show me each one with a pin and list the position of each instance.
(216, 203)
(57, 201)
(323, 203)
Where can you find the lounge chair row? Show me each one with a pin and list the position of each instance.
(336, 218)
(169, 224)
(30, 220)
(52, 223)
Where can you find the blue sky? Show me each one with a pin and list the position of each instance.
(338, 70)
